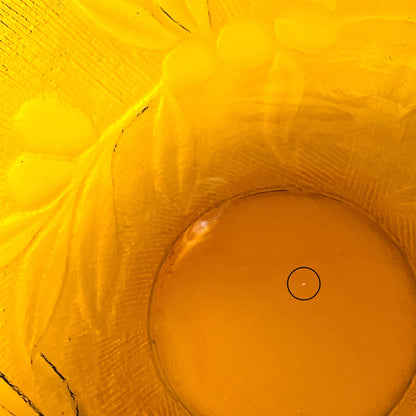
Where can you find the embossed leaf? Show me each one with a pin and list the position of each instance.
(172, 147)
(191, 15)
(16, 234)
(130, 23)
(39, 279)
(94, 255)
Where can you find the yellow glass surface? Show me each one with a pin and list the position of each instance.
(123, 123)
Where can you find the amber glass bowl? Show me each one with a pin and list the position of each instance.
(207, 207)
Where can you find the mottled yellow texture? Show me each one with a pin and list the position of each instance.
(136, 117)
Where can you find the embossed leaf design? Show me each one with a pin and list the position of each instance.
(130, 22)
(94, 254)
(172, 146)
(36, 293)
(192, 15)
(16, 234)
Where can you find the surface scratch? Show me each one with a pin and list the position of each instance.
(175, 21)
(21, 394)
(71, 393)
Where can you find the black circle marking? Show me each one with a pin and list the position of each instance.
(299, 268)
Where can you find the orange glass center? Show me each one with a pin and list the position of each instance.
(285, 304)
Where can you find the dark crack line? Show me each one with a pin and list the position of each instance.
(7, 410)
(21, 394)
(173, 20)
(140, 113)
(65, 381)
(117, 143)
(209, 14)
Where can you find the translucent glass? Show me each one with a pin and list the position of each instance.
(124, 123)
